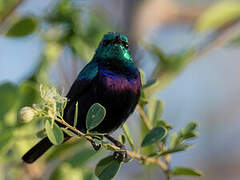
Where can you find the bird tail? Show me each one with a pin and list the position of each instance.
(39, 149)
(36, 151)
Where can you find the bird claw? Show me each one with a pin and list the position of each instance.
(120, 155)
(95, 146)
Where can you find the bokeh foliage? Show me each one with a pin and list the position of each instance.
(64, 26)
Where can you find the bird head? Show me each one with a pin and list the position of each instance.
(114, 45)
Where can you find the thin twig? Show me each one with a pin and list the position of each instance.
(148, 160)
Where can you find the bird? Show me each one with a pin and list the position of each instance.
(111, 79)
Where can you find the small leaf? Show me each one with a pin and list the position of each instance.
(155, 110)
(190, 135)
(128, 136)
(182, 171)
(107, 168)
(156, 134)
(122, 139)
(174, 150)
(190, 127)
(55, 134)
(95, 116)
(75, 116)
(174, 140)
(164, 124)
(23, 27)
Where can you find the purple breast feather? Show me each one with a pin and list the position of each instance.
(119, 83)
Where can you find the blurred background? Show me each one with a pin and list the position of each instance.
(190, 46)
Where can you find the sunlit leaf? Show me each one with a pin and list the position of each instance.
(218, 15)
(54, 133)
(95, 116)
(156, 134)
(23, 27)
(182, 171)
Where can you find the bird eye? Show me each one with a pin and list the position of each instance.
(125, 45)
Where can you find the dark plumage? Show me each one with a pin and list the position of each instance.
(111, 79)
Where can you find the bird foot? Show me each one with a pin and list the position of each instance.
(120, 155)
(95, 146)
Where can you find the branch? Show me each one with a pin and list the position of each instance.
(10, 11)
(133, 155)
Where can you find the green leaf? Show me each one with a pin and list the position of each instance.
(174, 140)
(218, 15)
(190, 135)
(164, 124)
(174, 150)
(95, 116)
(190, 127)
(182, 171)
(128, 136)
(156, 134)
(75, 116)
(155, 110)
(55, 134)
(23, 27)
(107, 168)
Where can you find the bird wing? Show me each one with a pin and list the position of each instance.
(82, 83)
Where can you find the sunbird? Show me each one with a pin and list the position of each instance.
(112, 79)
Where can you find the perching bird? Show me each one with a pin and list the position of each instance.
(111, 79)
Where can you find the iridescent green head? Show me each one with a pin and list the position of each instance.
(114, 45)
